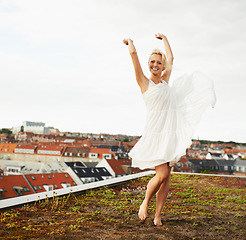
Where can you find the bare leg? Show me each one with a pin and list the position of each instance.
(162, 173)
(161, 197)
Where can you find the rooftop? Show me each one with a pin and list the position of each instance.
(197, 207)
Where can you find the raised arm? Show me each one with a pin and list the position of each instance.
(167, 72)
(140, 77)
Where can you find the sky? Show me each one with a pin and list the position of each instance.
(63, 62)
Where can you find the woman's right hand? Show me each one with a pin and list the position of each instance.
(160, 36)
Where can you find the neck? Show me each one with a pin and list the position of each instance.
(155, 78)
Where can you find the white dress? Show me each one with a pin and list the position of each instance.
(172, 115)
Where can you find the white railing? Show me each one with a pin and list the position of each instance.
(15, 201)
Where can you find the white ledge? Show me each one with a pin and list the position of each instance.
(20, 200)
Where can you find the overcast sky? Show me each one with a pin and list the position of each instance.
(63, 62)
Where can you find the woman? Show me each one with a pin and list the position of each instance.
(172, 114)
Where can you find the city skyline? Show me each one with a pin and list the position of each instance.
(65, 63)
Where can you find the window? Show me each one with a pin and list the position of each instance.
(55, 186)
(71, 154)
(35, 188)
(32, 177)
(26, 189)
(18, 190)
(40, 188)
(107, 156)
(65, 154)
(226, 168)
(66, 175)
(93, 155)
(49, 176)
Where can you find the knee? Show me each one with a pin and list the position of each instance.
(162, 178)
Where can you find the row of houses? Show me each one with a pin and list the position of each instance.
(22, 178)
(58, 152)
(24, 184)
(215, 166)
(226, 151)
(220, 166)
(77, 171)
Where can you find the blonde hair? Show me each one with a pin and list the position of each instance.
(163, 58)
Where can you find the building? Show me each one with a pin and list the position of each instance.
(49, 181)
(7, 150)
(75, 153)
(183, 165)
(14, 167)
(218, 166)
(24, 184)
(13, 186)
(118, 167)
(240, 167)
(89, 174)
(34, 127)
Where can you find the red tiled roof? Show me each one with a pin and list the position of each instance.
(57, 179)
(84, 143)
(116, 166)
(28, 133)
(26, 146)
(7, 147)
(7, 183)
(3, 135)
(101, 151)
(50, 149)
(234, 151)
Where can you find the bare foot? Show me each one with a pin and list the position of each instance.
(157, 221)
(142, 213)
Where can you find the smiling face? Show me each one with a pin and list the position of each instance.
(156, 65)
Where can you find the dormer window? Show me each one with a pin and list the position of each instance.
(93, 155)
